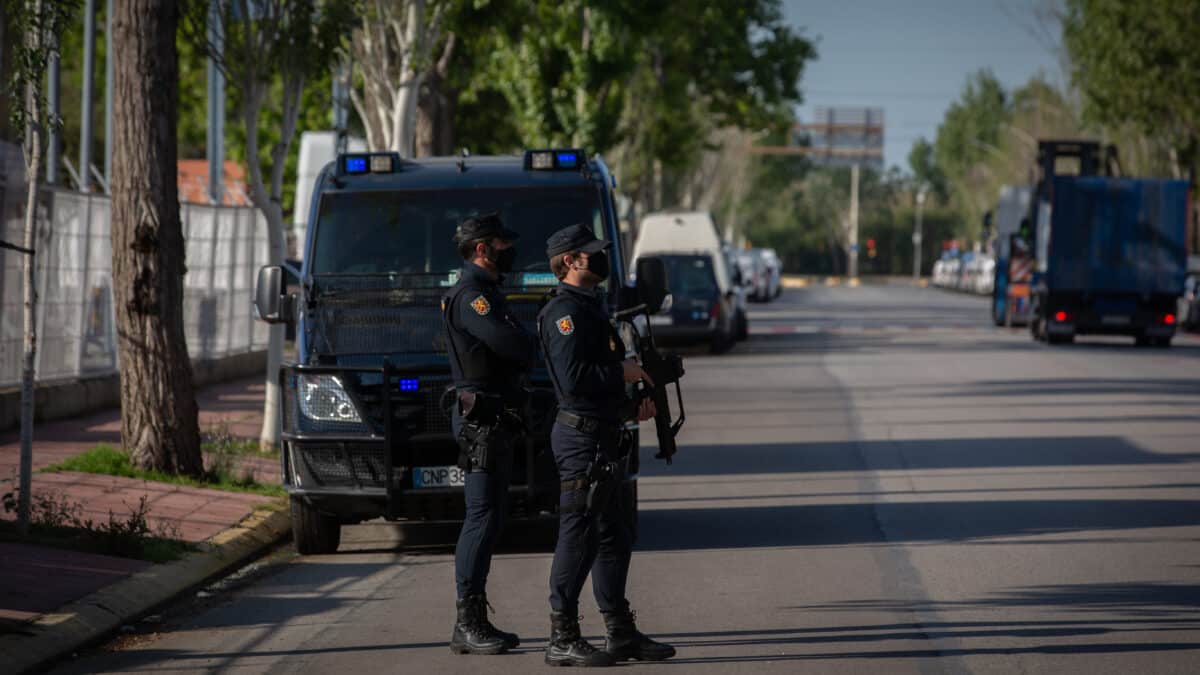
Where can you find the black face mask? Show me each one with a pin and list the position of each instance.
(598, 264)
(504, 259)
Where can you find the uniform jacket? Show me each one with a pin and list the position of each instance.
(583, 353)
(487, 346)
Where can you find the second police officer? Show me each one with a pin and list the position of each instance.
(489, 353)
(586, 359)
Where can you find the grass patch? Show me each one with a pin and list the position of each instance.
(56, 521)
(219, 440)
(220, 475)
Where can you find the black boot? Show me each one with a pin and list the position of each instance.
(625, 642)
(472, 632)
(568, 648)
(510, 639)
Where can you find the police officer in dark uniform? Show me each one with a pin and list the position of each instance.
(489, 354)
(586, 359)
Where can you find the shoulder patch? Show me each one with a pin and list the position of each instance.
(565, 325)
(481, 306)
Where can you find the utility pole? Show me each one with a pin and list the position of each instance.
(918, 234)
(216, 110)
(85, 108)
(852, 258)
(108, 94)
(53, 102)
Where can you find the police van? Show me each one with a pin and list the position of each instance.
(366, 399)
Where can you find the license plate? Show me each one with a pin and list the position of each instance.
(1114, 320)
(661, 320)
(438, 476)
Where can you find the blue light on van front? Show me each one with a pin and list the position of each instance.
(412, 384)
(567, 160)
(356, 165)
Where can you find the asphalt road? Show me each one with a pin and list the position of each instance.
(877, 482)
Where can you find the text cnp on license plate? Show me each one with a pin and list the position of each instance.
(438, 476)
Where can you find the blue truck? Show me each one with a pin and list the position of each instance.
(1110, 252)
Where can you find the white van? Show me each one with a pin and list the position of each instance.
(317, 148)
(693, 233)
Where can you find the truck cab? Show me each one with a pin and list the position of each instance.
(367, 396)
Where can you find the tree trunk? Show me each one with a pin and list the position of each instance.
(159, 425)
(33, 144)
(435, 119)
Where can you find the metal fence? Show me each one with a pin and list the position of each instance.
(76, 324)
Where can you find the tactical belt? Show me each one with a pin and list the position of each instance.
(587, 425)
(577, 484)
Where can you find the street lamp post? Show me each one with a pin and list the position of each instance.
(917, 234)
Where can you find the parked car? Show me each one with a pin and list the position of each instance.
(741, 294)
(774, 271)
(754, 275)
(696, 313)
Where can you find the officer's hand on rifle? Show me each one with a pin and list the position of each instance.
(632, 372)
(646, 410)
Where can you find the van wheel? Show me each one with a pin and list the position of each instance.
(315, 533)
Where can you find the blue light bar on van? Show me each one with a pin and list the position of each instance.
(371, 162)
(555, 159)
(410, 384)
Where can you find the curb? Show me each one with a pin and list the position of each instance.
(79, 623)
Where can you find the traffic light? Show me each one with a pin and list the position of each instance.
(870, 248)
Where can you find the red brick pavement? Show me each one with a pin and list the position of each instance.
(38, 579)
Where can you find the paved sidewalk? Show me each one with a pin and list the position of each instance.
(38, 580)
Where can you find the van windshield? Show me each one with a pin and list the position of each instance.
(690, 275)
(410, 231)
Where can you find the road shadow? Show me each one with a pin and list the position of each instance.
(799, 525)
(1074, 387)
(909, 455)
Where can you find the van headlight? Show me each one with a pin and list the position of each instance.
(322, 398)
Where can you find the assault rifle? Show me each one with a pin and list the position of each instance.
(663, 369)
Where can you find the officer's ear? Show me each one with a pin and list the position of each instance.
(481, 249)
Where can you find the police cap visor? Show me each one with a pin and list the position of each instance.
(574, 238)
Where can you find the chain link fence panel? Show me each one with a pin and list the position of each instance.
(76, 323)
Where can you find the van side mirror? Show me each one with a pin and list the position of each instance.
(271, 300)
(652, 283)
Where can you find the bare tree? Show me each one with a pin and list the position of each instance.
(391, 48)
(159, 425)
(264, 42)
(41, 24)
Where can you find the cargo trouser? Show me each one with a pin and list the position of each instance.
(601, 544)
(486, 496)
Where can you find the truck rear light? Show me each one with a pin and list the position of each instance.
(1169, 319)
(1061, 316)
(715, 311)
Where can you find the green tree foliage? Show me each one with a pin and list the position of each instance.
(654, 73)
(1137, 62)
(925, 168)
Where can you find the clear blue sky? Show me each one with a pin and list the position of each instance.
(912, 57)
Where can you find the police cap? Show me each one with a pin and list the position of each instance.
(483, 226)
(578, 237)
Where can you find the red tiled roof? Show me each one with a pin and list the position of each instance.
(193, 182)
